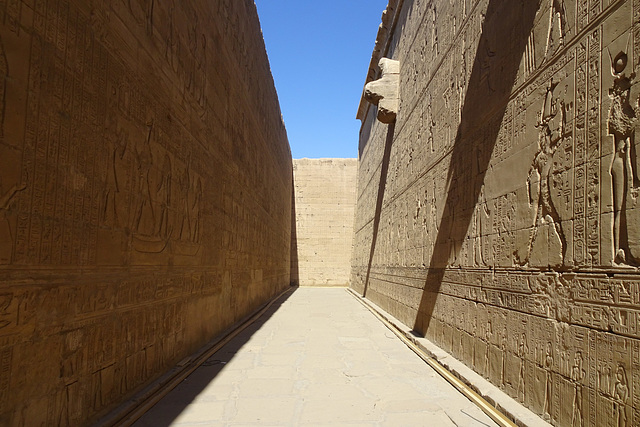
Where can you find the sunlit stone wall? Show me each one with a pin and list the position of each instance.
(499, 214)
(145, 194)
(324, 205)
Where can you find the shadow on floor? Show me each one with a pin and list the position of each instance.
(195, 383)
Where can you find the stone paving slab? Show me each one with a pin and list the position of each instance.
(316, 358)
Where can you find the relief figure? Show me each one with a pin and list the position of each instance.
(163, 192)
(523, 349)
(117, 147)
(557, 27)
(621, 395)
(577, 376)
(539, 180)
(622, 118)
(548, 366)
(144, 220)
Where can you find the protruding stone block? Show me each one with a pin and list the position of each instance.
(384, 91)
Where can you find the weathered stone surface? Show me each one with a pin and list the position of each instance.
(498, 215)
(384, 91)
(325, 199)
(145, 194)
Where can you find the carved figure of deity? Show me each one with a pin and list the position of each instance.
(144, 220)
(622, 118)
(163, 194)
(620, 396)
(117, 147)
(548, 366)
(577, 376)
(503, 373)
(557, 27)
(538, 182)
(523, 349)
(487, 336)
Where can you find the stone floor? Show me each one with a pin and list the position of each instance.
(316, 357)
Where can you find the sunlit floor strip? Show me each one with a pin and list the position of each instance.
(485, 406)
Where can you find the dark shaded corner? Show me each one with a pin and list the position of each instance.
(294, 273)
(384, 169)
(500, 49)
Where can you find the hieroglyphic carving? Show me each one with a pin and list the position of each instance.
(542, 269)
(95, 127)
(593, 147)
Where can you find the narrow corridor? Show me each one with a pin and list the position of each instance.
(316, 357)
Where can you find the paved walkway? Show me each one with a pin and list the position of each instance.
(315, 358)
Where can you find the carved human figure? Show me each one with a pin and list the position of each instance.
(620, 396)
(557, 27)
(144, 220)
(538, 182)
(163, 195)
(117, 147)
(481, 214)
(503, 373)
(487, 337)
(548, 366)
(523, 349)
(577, 376)
(621, 124)
(184, 182)
(486, 63)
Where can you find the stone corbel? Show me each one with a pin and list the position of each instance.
(384, 91)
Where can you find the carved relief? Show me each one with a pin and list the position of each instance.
(543, 229)
(98, 116)
(557, 27)
(621, 122)
(547, 227)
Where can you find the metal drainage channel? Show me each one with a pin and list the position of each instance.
(497, 416)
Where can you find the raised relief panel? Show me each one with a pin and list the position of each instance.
(548, 223)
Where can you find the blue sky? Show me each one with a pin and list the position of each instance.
(319, 53)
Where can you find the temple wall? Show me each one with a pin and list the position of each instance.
(145, 194)
(325, 194)
(499, 214)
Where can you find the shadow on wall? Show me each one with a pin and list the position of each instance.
(384, 169)
(294, 274)
(499, 52)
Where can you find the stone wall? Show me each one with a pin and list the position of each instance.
(499, 214)
(325, 194)
(145, 194)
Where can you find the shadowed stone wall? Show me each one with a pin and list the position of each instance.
(325, 194)
(145, 194)
(499, 214)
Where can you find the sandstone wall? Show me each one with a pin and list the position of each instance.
(325, 194)
(145, 194)
(499, 214)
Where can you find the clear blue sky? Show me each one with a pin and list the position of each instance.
(319, 52)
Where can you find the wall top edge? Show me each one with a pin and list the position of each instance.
(385, 31)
